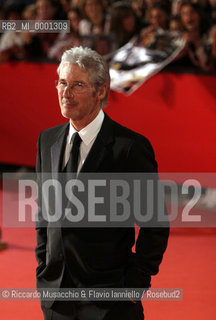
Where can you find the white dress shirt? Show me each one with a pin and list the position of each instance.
(88, 136)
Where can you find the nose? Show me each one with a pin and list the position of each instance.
(67, 92)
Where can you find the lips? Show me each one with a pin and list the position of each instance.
(191, 22)
(68, 102)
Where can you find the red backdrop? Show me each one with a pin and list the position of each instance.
(177, 112)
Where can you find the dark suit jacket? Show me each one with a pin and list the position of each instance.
(98, 257)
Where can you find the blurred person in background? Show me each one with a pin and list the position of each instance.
(176, 4)
(37, 45)
(65, 4)
(95, 27)
(124, 22)
(150, 3)
(158, 19)
(195, 32)
(213, 50)
(95, 19)
(104, 44)
(67, 40)
(47, 9)
(2, 16)
(29, 13)
(205, 6)
(175, 7)
(11, 42)
(212, 11)
(175, 24)
(159, 16)
(139, 8)
(74, 3)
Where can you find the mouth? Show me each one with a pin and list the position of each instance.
(67, 103)
(190, 23)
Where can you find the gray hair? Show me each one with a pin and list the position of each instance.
(91, 61)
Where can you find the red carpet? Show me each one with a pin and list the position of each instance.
(171, 110)
(189, 263)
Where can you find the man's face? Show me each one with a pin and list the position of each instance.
(129, 23)
(190, 18)
(74, 20)
(80, 107)
(158, 18)
(93, 8)
(45, 10)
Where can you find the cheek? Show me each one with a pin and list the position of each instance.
(60, 98)
(128, 24)
(183, 20)
(75, 25)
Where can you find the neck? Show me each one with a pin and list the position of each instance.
(82, 123)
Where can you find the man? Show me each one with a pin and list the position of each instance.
(92, 257)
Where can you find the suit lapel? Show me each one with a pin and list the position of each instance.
(96, 155)
(57, 150)
(99, 149)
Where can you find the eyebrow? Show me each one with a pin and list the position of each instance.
(76, 81)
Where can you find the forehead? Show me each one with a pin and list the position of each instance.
(43, 3)
(157, 12)
(188, 9)
(72, 72)
(72, 14)
(91, 2)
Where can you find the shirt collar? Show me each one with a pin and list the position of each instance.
(88, 133)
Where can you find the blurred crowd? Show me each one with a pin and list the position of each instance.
(106, 25)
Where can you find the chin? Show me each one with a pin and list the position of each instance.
(70, 115)
(66, 114)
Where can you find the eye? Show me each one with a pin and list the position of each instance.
(62, 83)
(79, 85)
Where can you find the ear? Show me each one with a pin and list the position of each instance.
(101, 93)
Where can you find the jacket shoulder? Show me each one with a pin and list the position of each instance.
(136, 147)
(51, 134)
(130, 136)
